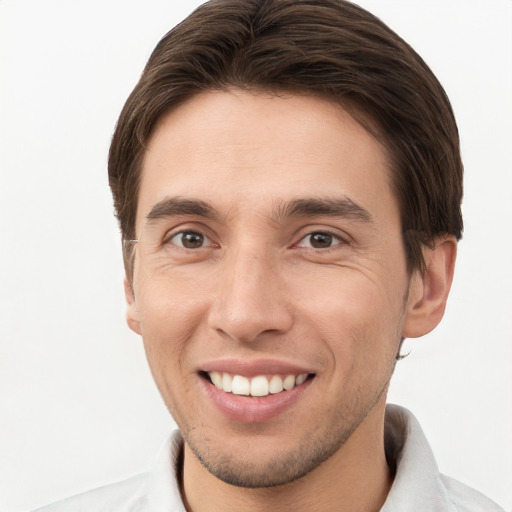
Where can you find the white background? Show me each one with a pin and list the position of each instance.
(78, 406)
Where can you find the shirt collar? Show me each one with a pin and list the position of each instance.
(163, 486)
(417, 484)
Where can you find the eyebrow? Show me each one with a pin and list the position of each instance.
(172, 206)
(304, 207)
(331, 207)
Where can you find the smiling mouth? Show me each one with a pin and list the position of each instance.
(258, 386)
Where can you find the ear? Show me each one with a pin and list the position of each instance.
(132, 311)
(428, 290)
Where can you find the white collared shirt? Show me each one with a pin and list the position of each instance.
(417, 487)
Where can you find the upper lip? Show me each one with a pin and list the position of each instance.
(253, 368)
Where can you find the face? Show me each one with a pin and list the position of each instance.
(270, 283)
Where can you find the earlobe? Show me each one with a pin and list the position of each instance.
(132, 311)
(428, 291)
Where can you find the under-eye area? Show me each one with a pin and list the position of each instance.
(258, 386)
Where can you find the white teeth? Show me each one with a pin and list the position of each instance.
(300, 379)
(227, 382)
(241, 385)
(275, 385)
(289, 382)
(216, 378)
(257, 386)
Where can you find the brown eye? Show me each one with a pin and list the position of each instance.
(320, 240)
(190, 240)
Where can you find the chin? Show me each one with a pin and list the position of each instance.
(254, 468)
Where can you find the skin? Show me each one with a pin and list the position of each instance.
(258, 287)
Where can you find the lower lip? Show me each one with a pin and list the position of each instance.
(254, 409)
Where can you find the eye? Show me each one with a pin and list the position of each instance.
(320, 240)
(190, 240)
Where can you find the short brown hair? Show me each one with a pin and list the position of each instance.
(327, 48)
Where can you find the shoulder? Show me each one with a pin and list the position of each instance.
(418, 485)
(125, 496)
(157, 489)
(467, 499)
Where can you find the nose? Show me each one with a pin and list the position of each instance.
(250, 300)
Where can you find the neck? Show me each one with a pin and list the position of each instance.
(356, 479)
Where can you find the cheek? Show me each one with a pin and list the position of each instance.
(168, 326)
(170, 314)
(169, 302)
(344, 295)
(353, 311)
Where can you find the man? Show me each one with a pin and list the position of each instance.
(287, 180)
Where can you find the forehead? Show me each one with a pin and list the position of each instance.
(240, 150)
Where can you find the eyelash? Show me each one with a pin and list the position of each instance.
(337, 240)
(168, 239)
